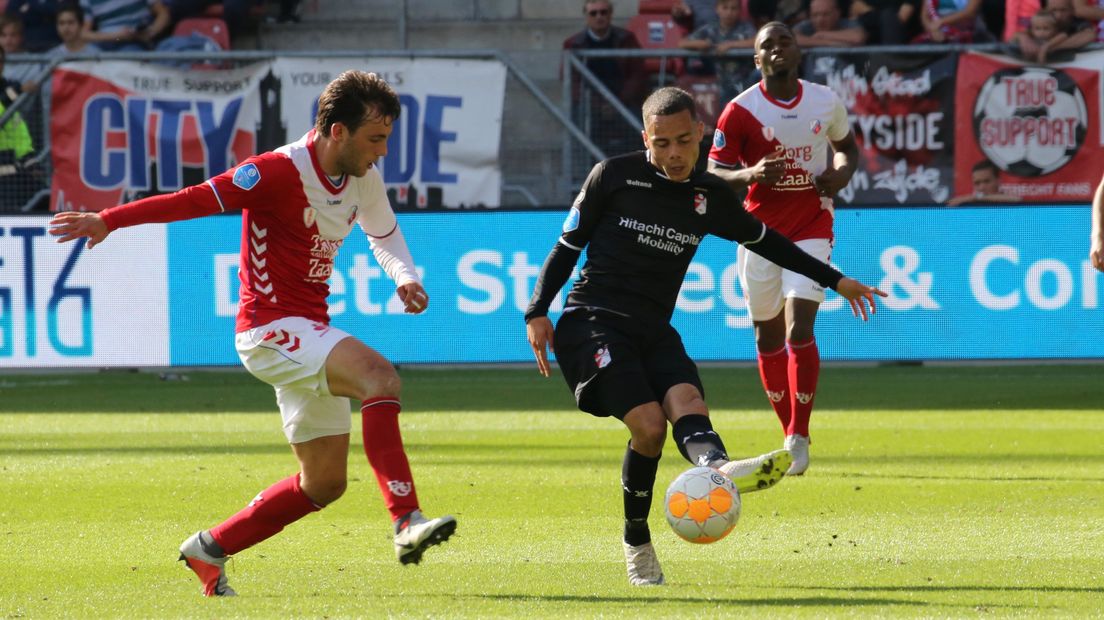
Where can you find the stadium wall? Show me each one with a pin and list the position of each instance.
(1006, 282)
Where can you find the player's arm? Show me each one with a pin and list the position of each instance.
(388, 245)
(845, 154)
(1096, 250)
(1085, 9)
(559, 264)
(727, 159)
(188, 203)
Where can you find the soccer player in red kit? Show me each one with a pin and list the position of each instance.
(299, 203)
(774, 139)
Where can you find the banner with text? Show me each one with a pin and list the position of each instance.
(1017, 286)
(1041, 126)
(902, 114)
(123, 130)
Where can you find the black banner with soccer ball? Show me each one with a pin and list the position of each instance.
(902, 114)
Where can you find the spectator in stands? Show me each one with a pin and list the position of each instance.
(37, 17)
(729, 32)
(124, 25)
(985, 178)
(949, 21)
(625, 78)
(17, 183)
(694, 14)
(887, 22)
(1041, 37)
(826, 27)
(69, 24)
(11, 40)
(1017, 17)
(1080, 32)
(1092, 11)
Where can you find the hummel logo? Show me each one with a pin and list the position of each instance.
(776, 397)
(804, 397)
(636, 183)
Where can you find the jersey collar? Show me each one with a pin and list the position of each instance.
(787, 105)
(324, 178)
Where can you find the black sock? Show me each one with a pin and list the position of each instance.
(696, 440)
(638, 473)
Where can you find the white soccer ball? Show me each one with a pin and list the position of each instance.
(702, 505)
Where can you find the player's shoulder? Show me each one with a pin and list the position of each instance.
(709, 181)
(626, 166)
(812, 91)
(264, 172)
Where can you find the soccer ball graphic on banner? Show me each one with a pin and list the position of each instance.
(1030, 121)
(702, 505)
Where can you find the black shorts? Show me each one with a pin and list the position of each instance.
(613, 364)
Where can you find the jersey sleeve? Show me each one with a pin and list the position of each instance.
(729, 137)
(385, 238)
(838, 125)
(729, 219)
(586, 211)
(256, 183)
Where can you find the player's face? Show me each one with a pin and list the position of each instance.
(985, 182)
(68, 28)
(359, 150)
(776, 52)
(673, 141)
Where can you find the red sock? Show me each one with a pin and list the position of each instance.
(772, 370)
(384, 447)
(277, 506)
(804, 370)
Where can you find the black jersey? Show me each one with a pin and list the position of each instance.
(641, 230)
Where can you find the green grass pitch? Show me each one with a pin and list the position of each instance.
(934, 492)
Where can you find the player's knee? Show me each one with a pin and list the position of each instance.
(379, 379)
(326, 490)
(649, 436)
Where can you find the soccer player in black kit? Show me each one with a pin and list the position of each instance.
(643, 216)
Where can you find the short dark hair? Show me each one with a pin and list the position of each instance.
(985, 164)
(774, 24)
(70, 7)
(669, 100)
(354, 97)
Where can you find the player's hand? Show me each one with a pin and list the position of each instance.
(830, 182)
(859, 295)
(770, 169)
(69, 225)
(1096, 254)
(539, 331)
(414, 298)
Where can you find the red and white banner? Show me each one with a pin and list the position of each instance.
(1040, 125)
(122, 130)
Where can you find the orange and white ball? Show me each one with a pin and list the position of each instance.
(702, 505)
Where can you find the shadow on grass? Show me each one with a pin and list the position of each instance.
(657, 599)
(956, 588)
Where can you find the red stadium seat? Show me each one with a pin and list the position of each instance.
(211, 27)
(656, 31)
(661, 7)
(707, 97)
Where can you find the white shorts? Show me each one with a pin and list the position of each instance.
(290, 355)
(767, 286)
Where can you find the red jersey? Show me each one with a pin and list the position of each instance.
(295, 218)
(754, 124)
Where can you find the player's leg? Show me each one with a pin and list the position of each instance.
(600, 363)
(803, 299)
(761, 281)
(355, 370)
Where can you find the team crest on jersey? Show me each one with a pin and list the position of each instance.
(602, 357)
(352, 216)
(309, 215)
(247, 176)
(699, 203)
(572, 221)
(815, 126)
(768, 133)
(718, 139)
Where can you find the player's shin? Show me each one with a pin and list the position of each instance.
(273, 509)
(774, 375)
(803, 372)
(384, 448)
(638, 473)
(697, 441)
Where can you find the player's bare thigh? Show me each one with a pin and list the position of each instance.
(356, 370)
